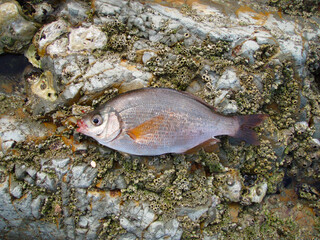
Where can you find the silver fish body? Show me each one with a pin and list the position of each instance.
(155, 121)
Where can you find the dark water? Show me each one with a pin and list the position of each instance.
(12, 64)
(12, 67)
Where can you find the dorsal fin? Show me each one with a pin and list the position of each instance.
(198, 99)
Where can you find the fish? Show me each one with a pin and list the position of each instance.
(156, 121)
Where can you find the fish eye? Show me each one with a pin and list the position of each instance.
(96, 120)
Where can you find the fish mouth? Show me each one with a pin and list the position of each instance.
(82, 126)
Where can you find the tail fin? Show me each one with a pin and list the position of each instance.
(246, 123)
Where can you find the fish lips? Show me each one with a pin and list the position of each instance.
(83, 127)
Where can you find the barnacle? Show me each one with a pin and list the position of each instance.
(117, 42)
(44, 86)
(249, 98)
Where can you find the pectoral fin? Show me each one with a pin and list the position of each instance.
(147, 128)
(208, 146)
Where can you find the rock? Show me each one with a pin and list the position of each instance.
(86, 39)
(107, 8)
(42, 11)
(49, 33)
(103, 204)
(127, 236)
(147, 56)
(46, 181)
(20, 171)
(135, 219)
(83, 176)
(36, 205)
(12, 131)
(72, 91)
(113, 180)
(193, 213)
(15, 189)
(164, 230)
(229, 80)
(75, 11)
(225, 105)
(231, 187)
(247, 50)
(316, 127)
(16, 31)
(104, 74)
(258, 192)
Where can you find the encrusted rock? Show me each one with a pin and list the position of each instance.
(12, 131)
(86, 39)
(16, 32)
(135, 218)
(83, 176)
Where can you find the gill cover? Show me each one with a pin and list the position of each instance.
(112, 126)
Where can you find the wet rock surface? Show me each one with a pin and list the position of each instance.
(242, 58)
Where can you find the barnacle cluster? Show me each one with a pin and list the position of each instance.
(285, 94)
(179, 66)
(172, 69)
(302, 154)
(249, 98)
(296, 7)
(110, 228)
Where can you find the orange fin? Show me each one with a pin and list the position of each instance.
(208, 146)
(146, 128)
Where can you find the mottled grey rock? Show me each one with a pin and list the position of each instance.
(162, 230)
(51, 32)
(75, 11)
(228, 80)
(20, 171)
(135, 218)
(248, 49)
(258, 192)
(42, 11)
(193, 213)
(316, 124)
(147, 56)
(83, 176)
(156, 38)
(60, 163)
(36, 205)
(72, 91)
(16, 31)
(32, 172)
(15, 188)
(225, 105)
(84, 39)
(106, 7)
(128, 236)
(82, 200)
(12, 130)
(231, 188)
(46, 181)
(103, 75)
(83, 222)
(103, 204)
(23, 206)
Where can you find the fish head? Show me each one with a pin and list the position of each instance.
(104, 125)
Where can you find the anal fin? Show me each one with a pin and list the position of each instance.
(208, 146)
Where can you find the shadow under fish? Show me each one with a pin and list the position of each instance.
(155, 121)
